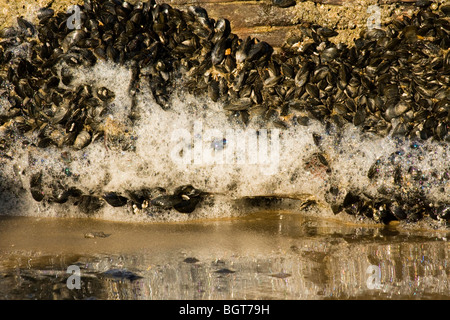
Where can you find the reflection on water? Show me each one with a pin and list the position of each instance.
(267, 256)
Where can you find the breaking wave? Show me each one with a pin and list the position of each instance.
(225, 166)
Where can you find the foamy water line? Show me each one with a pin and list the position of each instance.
(191, 143)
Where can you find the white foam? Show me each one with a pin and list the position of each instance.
(101, 167)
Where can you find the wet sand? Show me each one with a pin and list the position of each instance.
(263, 256)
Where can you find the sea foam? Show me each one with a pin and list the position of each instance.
(196, 142)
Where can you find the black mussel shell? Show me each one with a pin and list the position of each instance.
(36, 187)
(114, 199)
(89, 204)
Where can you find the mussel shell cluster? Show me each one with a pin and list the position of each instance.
(183, 199)
(394, 202)
(392, 81)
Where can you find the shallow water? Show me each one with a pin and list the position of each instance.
(271, 255)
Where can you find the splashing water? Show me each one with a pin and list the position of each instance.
(196, 143)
